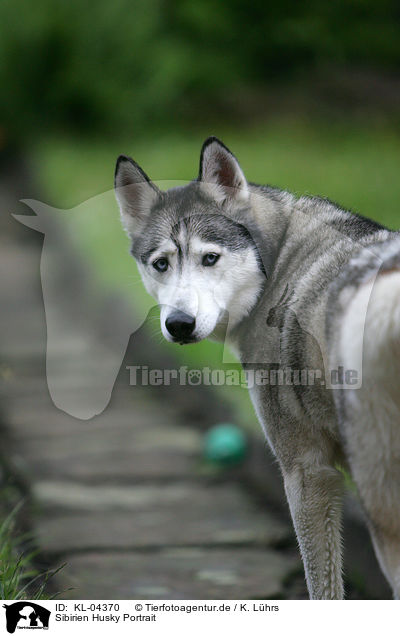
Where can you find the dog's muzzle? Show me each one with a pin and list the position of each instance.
(180, 326)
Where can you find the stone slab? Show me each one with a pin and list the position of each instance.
(124, 445)
(178, 574)
(76, 517)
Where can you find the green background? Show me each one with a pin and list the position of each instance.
(306, 94)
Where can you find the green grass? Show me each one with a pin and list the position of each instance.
(19, 578)
(356, 165)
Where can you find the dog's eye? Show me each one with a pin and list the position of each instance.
(210, 259)
(161, 264)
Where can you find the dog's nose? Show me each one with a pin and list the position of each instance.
(180, 325)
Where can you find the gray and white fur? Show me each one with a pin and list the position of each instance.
(228, 258)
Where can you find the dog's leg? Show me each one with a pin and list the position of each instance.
(314, 494)
(375, 467)
(373, 447)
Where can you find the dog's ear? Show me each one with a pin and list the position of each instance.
(135, 194)
(221, 173)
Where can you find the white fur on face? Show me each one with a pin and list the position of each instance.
(228, 289)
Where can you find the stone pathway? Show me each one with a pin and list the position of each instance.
(124, 499)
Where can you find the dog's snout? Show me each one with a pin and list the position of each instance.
(180, 325)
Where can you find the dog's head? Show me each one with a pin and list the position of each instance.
(195, 251)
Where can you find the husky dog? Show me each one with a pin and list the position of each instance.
(220, 255)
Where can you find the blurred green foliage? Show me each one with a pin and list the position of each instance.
(104, 66)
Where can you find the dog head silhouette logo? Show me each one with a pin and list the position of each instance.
(26, 615)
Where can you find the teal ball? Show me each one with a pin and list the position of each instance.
(225, 444)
